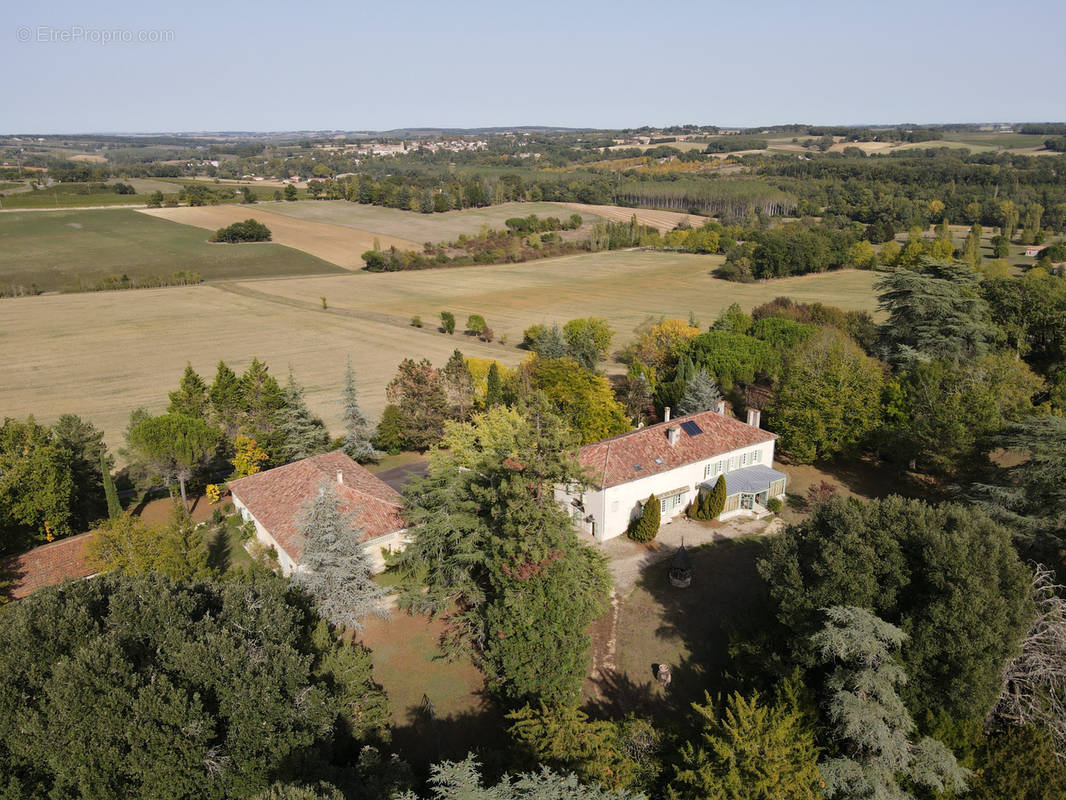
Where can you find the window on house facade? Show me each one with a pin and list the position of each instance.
(743, 459)
(756, 456)
(670, 502)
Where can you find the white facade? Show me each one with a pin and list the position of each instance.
(606, 513)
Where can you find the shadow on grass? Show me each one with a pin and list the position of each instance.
(219, 557)
(700, 629)
(426, 739)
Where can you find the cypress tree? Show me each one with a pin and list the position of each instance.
(493, 387)
(716, 499)
(114, 507)
(647, 527)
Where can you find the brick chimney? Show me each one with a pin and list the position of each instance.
(753, 417)
(666, 414)
(720, 407)
(673, 435)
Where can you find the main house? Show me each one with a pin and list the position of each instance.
(275, 501)
(675, 460)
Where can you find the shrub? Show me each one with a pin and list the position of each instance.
(487, 334)
(475, 323)
(774, 505)
(250, 230)
(646, 527)
(416, 321)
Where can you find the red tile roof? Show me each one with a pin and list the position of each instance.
(47, 565)
(277, 498)
(613, 461)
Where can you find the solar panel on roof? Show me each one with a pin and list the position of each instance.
(691, 428)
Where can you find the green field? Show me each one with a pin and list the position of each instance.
(412, 225)
(69, 195)
(71, 250)
(995, 140)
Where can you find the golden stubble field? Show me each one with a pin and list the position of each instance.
(337, 244)
(103, 354)
(625, 287)
(663, 220)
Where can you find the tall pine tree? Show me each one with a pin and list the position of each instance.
(191, 397)
(493, 539)
(356, 437)
(225, 397)
(302, 434)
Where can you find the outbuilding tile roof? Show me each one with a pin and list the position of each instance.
(648, 451)
(47, 565)
(277, 498)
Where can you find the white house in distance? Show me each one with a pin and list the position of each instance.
(673, 460)
(275, 501)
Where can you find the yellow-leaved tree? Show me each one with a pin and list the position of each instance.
(248, 457)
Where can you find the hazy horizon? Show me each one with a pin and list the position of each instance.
(201, 67)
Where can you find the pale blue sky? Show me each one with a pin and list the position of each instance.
(360, 65)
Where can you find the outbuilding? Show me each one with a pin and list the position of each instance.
(275, 501)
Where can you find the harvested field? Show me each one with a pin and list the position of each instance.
(336, 244)
(103, 354)
(663, 220)
(626, 287)
(74, 249)
(419, 227)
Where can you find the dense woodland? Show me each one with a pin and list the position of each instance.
(907, 646)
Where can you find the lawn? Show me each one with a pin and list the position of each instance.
(70, 250)
(415, 226)
(689, 629)
(407, 662)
